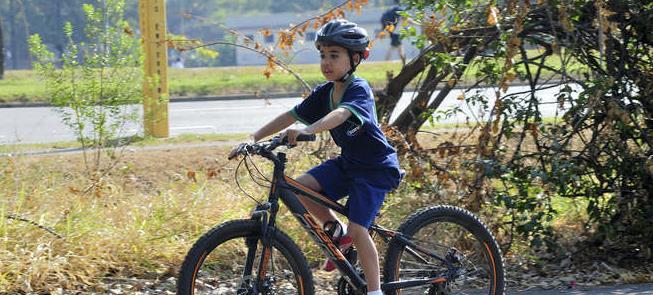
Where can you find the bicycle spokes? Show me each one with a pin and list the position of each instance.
(455, 260)
(226, 271)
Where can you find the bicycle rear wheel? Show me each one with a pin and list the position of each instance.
(216, 263)
(456, 235)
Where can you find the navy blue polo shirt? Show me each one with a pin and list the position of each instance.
(363, 144)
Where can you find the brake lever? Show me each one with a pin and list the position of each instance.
(239, 150)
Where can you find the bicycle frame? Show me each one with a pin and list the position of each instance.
(286, 189)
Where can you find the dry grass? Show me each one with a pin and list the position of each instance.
(144, 218)
(146, 214)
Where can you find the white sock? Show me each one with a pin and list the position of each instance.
(377, 292)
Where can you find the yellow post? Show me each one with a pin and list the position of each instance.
(155, 86)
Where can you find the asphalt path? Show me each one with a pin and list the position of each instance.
(44, 124)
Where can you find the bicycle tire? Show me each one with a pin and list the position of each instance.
(477, 258)
(214, 257)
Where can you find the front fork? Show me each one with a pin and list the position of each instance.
(262, 215)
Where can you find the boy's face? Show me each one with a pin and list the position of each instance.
(334, 62)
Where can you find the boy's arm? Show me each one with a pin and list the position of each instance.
(277, 124)
(328, 122)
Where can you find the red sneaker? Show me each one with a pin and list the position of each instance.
(344, 243)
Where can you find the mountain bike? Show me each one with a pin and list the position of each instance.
(436, 250)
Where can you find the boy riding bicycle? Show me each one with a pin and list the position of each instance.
(367, 167)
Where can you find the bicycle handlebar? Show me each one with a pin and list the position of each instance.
(267, 146)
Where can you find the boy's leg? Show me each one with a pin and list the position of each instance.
(320, 212)
(367, 254)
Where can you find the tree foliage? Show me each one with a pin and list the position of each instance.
(2, 52)
(97, 80)
(598, 150)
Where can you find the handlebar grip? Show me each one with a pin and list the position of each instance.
(300, 137)
(306, 137)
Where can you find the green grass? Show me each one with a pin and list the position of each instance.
(24, 85)
(21, 86)
(10, 149)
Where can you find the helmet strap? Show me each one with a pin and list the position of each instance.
(353, 66)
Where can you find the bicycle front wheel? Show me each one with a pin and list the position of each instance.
(470, 261)
(226, 260)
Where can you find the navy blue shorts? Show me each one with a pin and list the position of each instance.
(366, 188)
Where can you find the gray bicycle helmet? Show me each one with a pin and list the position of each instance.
(348, 35)
(343, 33)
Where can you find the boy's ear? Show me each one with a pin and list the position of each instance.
(357, 57)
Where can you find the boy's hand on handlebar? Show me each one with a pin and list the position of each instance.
(291, 134)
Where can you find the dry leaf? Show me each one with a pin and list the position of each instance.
(492, 15)
(212, 173)
(267, 73)
(191, 175)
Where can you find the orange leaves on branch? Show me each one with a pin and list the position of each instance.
(270, 67)
(340, 13)
(286, 39)
(373, 42)
(265, 32)
(304, 27)
(432, 30)
(492, 16)
(271, 62)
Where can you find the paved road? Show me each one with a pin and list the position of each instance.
(43, 124)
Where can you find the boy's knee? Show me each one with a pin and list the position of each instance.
(309, 181)
(356, 230)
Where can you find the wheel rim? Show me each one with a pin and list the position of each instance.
(473, 271)
(221, 271)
